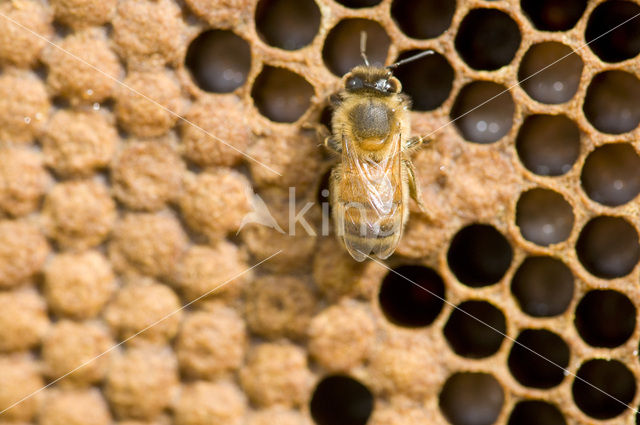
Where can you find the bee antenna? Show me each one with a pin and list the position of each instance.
(410, 59)
(363, 47)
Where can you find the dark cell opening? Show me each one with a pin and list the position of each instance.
(487, 39)
(611, 174)
(341, 51)
(552, 15)
(536, 412)
(427, 81)
(407, 304)
(543, 286)
(612, 102)
(608, 247)
(287, 24)
(281, 95)
(423, 18)
(615, 387)
(550, 72)
(475, 329)
(358, 4)
(219, 61)
(605, 318)
(483, 111)
(471, 399)
(548, 145)
(341, 400)
(624, 41)
(479, 255)
(541, 363)
(544, 216)
(323, 189)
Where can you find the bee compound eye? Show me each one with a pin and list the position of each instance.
(354, 83)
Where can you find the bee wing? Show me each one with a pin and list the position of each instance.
(371, 219)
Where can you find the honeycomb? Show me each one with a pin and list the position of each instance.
(133, 134)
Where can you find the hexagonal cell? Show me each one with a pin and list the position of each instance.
(483, 111)
(536, 412)
(605, 318)
(608, 247)
(423, 18)
(341, 400)
(358, 4)
(341, 51)
(219, 61)
(550, 72)
(475, 329)
(471, 398)
(544, 216)
(603, 388)
(543, 286)
(281, 95)
(612, 102)
(611, 34)
(412, 296)
(548, 145)
(538, 358)
(427, 81)
(487, 39)
(479, 255)
(551, 15)
(611, 174)
(287, 24)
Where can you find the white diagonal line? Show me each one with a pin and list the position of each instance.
(566, 371)
(139, 332)
(123, 84)
(530, 76)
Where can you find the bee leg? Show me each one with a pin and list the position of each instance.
(332, 144)
(414, 190)
(415, 142)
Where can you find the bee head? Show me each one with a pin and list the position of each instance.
(371, 79)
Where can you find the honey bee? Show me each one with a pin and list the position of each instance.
(369, 189)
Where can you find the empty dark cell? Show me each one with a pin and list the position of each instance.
(281, 95)
(536, 412)
(487, 39)
(605, 318)
(538, 357)
(612, 102)
(219, 61)
(483, 111)
(550, 72)
(544, 216)
(608, 247)
(543, 286)
(323, 189)
(615, 387)
(423, 18)
(548, 145)
(412, 296)
(475, 329)
(611, 174)
(341, 400)
(624, 41)
(341, 51)
(554, 15)
(427, 81)
(471, 399)
(357, 4)
(288, 24)
(479, 255)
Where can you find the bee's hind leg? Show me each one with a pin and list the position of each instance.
(414, 189)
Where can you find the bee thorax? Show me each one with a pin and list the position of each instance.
(371, 120)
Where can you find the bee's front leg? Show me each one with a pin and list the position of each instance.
(415, 142)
